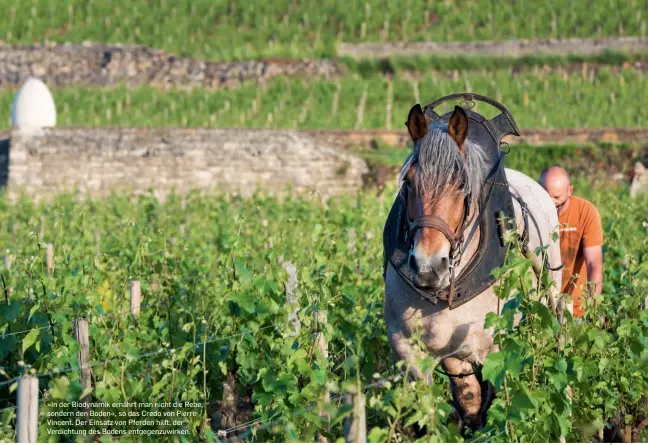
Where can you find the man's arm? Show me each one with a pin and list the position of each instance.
(594, 262)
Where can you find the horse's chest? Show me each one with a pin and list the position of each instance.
(437, 331)
(459, 332)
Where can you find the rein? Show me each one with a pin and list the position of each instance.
(525, 236)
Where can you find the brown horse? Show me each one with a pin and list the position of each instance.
(444, 175)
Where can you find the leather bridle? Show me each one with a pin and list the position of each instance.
(438, 223)
(457, 245)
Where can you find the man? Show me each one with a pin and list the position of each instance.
(581, 238)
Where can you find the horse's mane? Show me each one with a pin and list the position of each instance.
(441, 167)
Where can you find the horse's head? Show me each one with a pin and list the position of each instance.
(440, 180)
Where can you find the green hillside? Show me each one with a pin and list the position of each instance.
(549, 100)
(242, 30)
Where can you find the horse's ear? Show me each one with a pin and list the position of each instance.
(458, 127)
(417, 123)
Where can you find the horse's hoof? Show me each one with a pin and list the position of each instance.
(470, 424)
(455, 417)
(419, 431)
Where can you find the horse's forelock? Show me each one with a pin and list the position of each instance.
(440, 167)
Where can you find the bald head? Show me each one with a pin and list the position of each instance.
(555, 181)
(554, 176)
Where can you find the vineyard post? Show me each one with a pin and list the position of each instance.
(415, 89)
(8, 260)
(303, 115)
(390, 100)
(42, 227)
(336, 99)
(49, 259)
(385, 30)
(468, 87)
(82, 337)
(291, 298)
(355, 425)
(27, 426)
(322, 347)
(135, 295)
(361, 109)
(351, 235)
(561, 346)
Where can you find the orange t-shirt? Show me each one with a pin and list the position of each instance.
(580, 227)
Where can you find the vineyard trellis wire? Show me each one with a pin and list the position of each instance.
(148, 355)
(138, 357)
(135, 358)
(12, 334)
(488, 436)
(263, 424)
(275, 430)
(15, 407)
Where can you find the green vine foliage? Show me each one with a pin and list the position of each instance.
(214, 309)
(309, 29)
(568, 381)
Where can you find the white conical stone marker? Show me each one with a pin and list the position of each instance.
(33, 107)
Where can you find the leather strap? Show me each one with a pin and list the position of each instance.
(525, 235)
(451, 291)
(494, 170)
(434, 222)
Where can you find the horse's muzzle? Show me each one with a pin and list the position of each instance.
(426, 277)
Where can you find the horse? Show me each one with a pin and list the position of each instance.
(443, 175)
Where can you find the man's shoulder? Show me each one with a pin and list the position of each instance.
(583, 204)
(589, 219)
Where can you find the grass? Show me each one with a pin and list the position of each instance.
(226, 30)
(550, 100)
(543, 100)
(576, 158)
(369, 67)
(223, 278)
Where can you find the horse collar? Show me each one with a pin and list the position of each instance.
(476, 276)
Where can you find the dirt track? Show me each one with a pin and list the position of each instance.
(371, 138)
(511, 48)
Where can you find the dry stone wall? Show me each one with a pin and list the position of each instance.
(99, 161)
(104, 65)
(507, 48)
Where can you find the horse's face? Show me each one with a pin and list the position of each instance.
(429, 258)
(430, 255)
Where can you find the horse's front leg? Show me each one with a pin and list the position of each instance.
(466, 392)
(407, 352)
